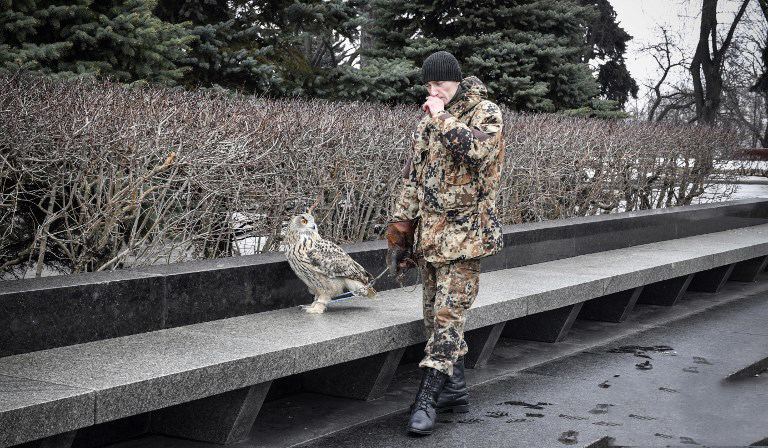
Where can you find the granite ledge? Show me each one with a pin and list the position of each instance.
(232, 356)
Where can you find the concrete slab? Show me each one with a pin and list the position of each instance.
(225, 418)
(31, 409)
(748, 270)
(666, 292)
(637, 266)
(152, 370)
(48, 312)
(144, 372)
(63, 440)
(580, 398)
(711, 280)
(554, 284)
(300, 419)
(480, 343)
(362, 379)
(614, 307)
(737, 245)
(549, 326)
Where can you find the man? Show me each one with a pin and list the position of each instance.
(448, 202)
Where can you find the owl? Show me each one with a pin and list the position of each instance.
(322, 265)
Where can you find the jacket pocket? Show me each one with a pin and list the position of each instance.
(459, 195)
(459, 238)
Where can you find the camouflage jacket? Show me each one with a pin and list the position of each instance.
(455, 165)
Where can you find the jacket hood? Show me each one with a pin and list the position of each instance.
(473, 91)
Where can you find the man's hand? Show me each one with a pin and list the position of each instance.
(433, 105)
(399, 246)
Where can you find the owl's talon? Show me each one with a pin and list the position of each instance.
(317, 308)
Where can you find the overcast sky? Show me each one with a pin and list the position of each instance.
(642, 18)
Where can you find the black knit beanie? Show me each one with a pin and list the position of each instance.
(440, 66)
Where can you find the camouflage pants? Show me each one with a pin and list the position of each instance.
(449, 290)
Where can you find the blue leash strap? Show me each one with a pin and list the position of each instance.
(350, 295)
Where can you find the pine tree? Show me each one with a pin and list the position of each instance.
(35, 35)
(288, 47)
(607, 41)
(228, 52)
(312, 38)
(118, 39)
(527, 52)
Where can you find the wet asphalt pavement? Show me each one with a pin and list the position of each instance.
(664, 386)
(657, 379)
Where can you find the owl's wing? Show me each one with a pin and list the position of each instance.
(331, 261)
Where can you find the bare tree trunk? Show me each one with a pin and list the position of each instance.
(764, 138)
(761, 86)
(709, 62)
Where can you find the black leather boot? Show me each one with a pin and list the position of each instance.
(455, 395)
(423, 413)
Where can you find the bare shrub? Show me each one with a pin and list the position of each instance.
(97, 176)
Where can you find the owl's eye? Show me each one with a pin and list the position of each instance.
(303, 220)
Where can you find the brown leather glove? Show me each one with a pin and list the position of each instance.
(399, 246)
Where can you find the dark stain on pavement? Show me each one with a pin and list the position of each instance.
(688, 441)
(700, 360)
(642, 417)
(573, 417)
(604, 385)
(540, 405)
(600, 409)
(644, 365)
(569, 438)
(517, 420)
(607, 424)
(640, 349)
(497, 414)
(691, 369)
(471, 421)
(528, 414)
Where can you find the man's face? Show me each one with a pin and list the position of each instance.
(442, 89)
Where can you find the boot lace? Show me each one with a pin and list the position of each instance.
(424, 398)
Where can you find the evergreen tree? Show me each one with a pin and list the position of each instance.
(607, 41)
(312, 39)
(229, 51)
(119, 39)
(527, 52)
(288, 47)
